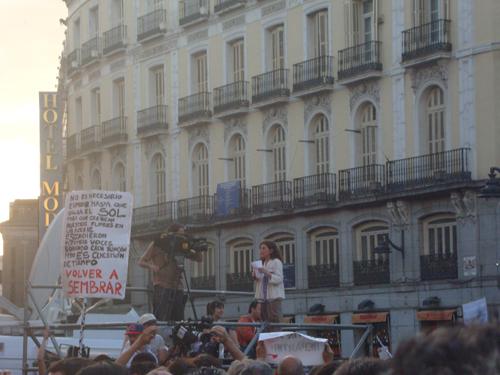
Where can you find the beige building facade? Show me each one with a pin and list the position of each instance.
(334, 124)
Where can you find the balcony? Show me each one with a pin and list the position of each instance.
(313, 75)
(192, 12)
(72, 146)
(91, 51)
(427, 42)
(151, 25)
(90, 138)
(361, 182)
(272, 196)
(114, 40)
(73, 61)
(270, 88)
(289, 275)
(438, 266)
(231, 99)
(360, 62)
(152, 121)
(429, 170)
(198, 209)
(222, 6)
(323, 276)
(203, 282)
(157, 216)
(195, 109)
(239, 282)
(369, 272)
(313, 190)
(235, 205)
(114, 131)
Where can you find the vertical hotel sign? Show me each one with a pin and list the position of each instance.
(51, 159)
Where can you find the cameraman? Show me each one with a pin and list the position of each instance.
(168, 295)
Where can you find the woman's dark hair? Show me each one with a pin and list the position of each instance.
(211, 306)
(252, 305)
(103, 368)
(275, 251)
(179, 367)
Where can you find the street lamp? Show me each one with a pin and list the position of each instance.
(492, 187)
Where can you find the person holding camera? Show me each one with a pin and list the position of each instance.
(269, 286)
(168, 296)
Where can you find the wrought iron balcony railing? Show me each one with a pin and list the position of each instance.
(270, 85)
(313, 73)
(194, 107)
(368, 272)
(272, 196)
(231, 97)
(192, 10)
(72, 145)
(114, 39)
(323, 275)
(224, 5)
(90, 137)
(428, 170)
(160, 213)
(153, 118)
(359, 59)
(438, 266)
(114, 130)
(315, 189)
(152, 24)
(239, 282)
(203, 282)
(427, 39)
(361, 182)
(73, 61)
(198, 209)
(228, 207)
(91, 50)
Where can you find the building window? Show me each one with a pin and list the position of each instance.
(116, 12)
(96, 180)
(237, 54)
(200, 73)
(321, 144)
(240, 257)
(79, 183)
(152, 5)
(361, 26)
(426, 11)
(368, 134)
(276, 50)
(200, 164)
(94, 22)
(119, 98)
(278, 153)
(237, 157)
(368, 237)
(323, 269)
(95, 106)
(157, 85)
(203, 273)
(78, 114)
(318, 28)
(76, 34)
(286, 244)
(435, 120)
(119, 179)
(159, 178)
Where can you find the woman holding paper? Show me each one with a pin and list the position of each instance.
(269, 288)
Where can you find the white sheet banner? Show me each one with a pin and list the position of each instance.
(96, 240)
(280, 344)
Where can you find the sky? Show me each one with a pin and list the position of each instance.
(30, 45)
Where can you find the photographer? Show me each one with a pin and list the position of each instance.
(168, 296)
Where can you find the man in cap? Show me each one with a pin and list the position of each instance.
(139, 339)
(157, 345)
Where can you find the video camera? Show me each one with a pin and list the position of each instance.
(191, 338)
(177, 244)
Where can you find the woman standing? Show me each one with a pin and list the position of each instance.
(269, 287)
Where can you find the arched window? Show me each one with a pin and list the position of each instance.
(321, 145)
(159, 176)
(323, 269)
(119, 179)
(200, 172)
(438, 259)
(435, 120)
(286, 244)
(278, 148)
(368, 129)
(79, 183)
(203, 273)
(370, 267)
(237, 154)
(96, 179)
(240, 259)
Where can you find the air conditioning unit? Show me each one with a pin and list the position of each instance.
(203, 10)
(94, 53)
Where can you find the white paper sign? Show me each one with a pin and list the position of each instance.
(470, 266)
(96, 239)
(256, 265)
(475, 312)
(281, 344)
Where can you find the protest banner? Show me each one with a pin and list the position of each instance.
(281, 344)
(475, 312)
(96, 240)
